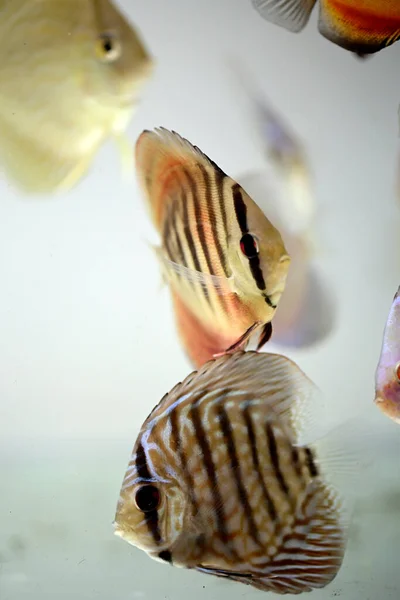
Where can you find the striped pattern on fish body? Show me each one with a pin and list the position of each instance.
(226, 264)
(361, 26)
(227, 486)
(71, 74)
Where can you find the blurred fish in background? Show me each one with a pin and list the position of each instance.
(361, 26)
(387, 376)
(224, 261)
(306, 313)
(71, 74)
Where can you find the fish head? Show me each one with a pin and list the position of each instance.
(121, 63)
(258, 257)
(153, 507)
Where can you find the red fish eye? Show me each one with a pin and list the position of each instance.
(249, 246)
(397, 372)
(147, 498)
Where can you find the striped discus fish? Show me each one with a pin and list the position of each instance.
(226, 264)
(223, 478)
(361, 26)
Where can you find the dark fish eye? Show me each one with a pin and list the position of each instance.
(147, 498)
(249, 245)
(108, 47)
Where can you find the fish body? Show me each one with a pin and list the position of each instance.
(225, 262)
(71, 74)
(224, 478)
(387, 376)
(361, 26)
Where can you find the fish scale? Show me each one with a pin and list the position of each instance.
(237, 493)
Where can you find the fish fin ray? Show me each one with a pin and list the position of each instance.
(293, 15)
(159, 154)
(221, 285)
(311, 554)
(242, 342)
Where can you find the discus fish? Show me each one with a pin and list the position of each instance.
(225, 262)
(387, 376)
(361, 26)
(71, 73)
(226, 478)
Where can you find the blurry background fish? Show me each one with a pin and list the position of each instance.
(387, 375)
(71, 73)
(361, 26)
(306, 313)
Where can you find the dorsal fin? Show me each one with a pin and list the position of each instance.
(159, 154)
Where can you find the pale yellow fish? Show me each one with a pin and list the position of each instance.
(71, 74)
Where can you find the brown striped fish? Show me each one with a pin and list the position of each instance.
(225, 262)
(226, 478)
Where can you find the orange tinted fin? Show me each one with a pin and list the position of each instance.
(161, 156)
(363, 30)
(293, 15)
(242, 342)
(201, 343)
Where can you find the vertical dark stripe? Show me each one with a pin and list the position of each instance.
(296, 461)
(240, 208)
(256, 463)
(213, 220)
(188, 237)
(180, 451)
(167, 233)
(180, 258)
(227, 432)
(241, 215)
(199, 220)
(273, 451)
(144, 473)
(312, 467)
(220, 180)
(209, 466)
(188, 232)
(257, 272)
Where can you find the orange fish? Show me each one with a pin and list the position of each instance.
(361, 26)
(225, 262)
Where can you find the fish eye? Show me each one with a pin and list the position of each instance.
(147, 498)
(108, 47)
(249, 245)
(397, 371)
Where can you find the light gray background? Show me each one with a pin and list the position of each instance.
(87, 339)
